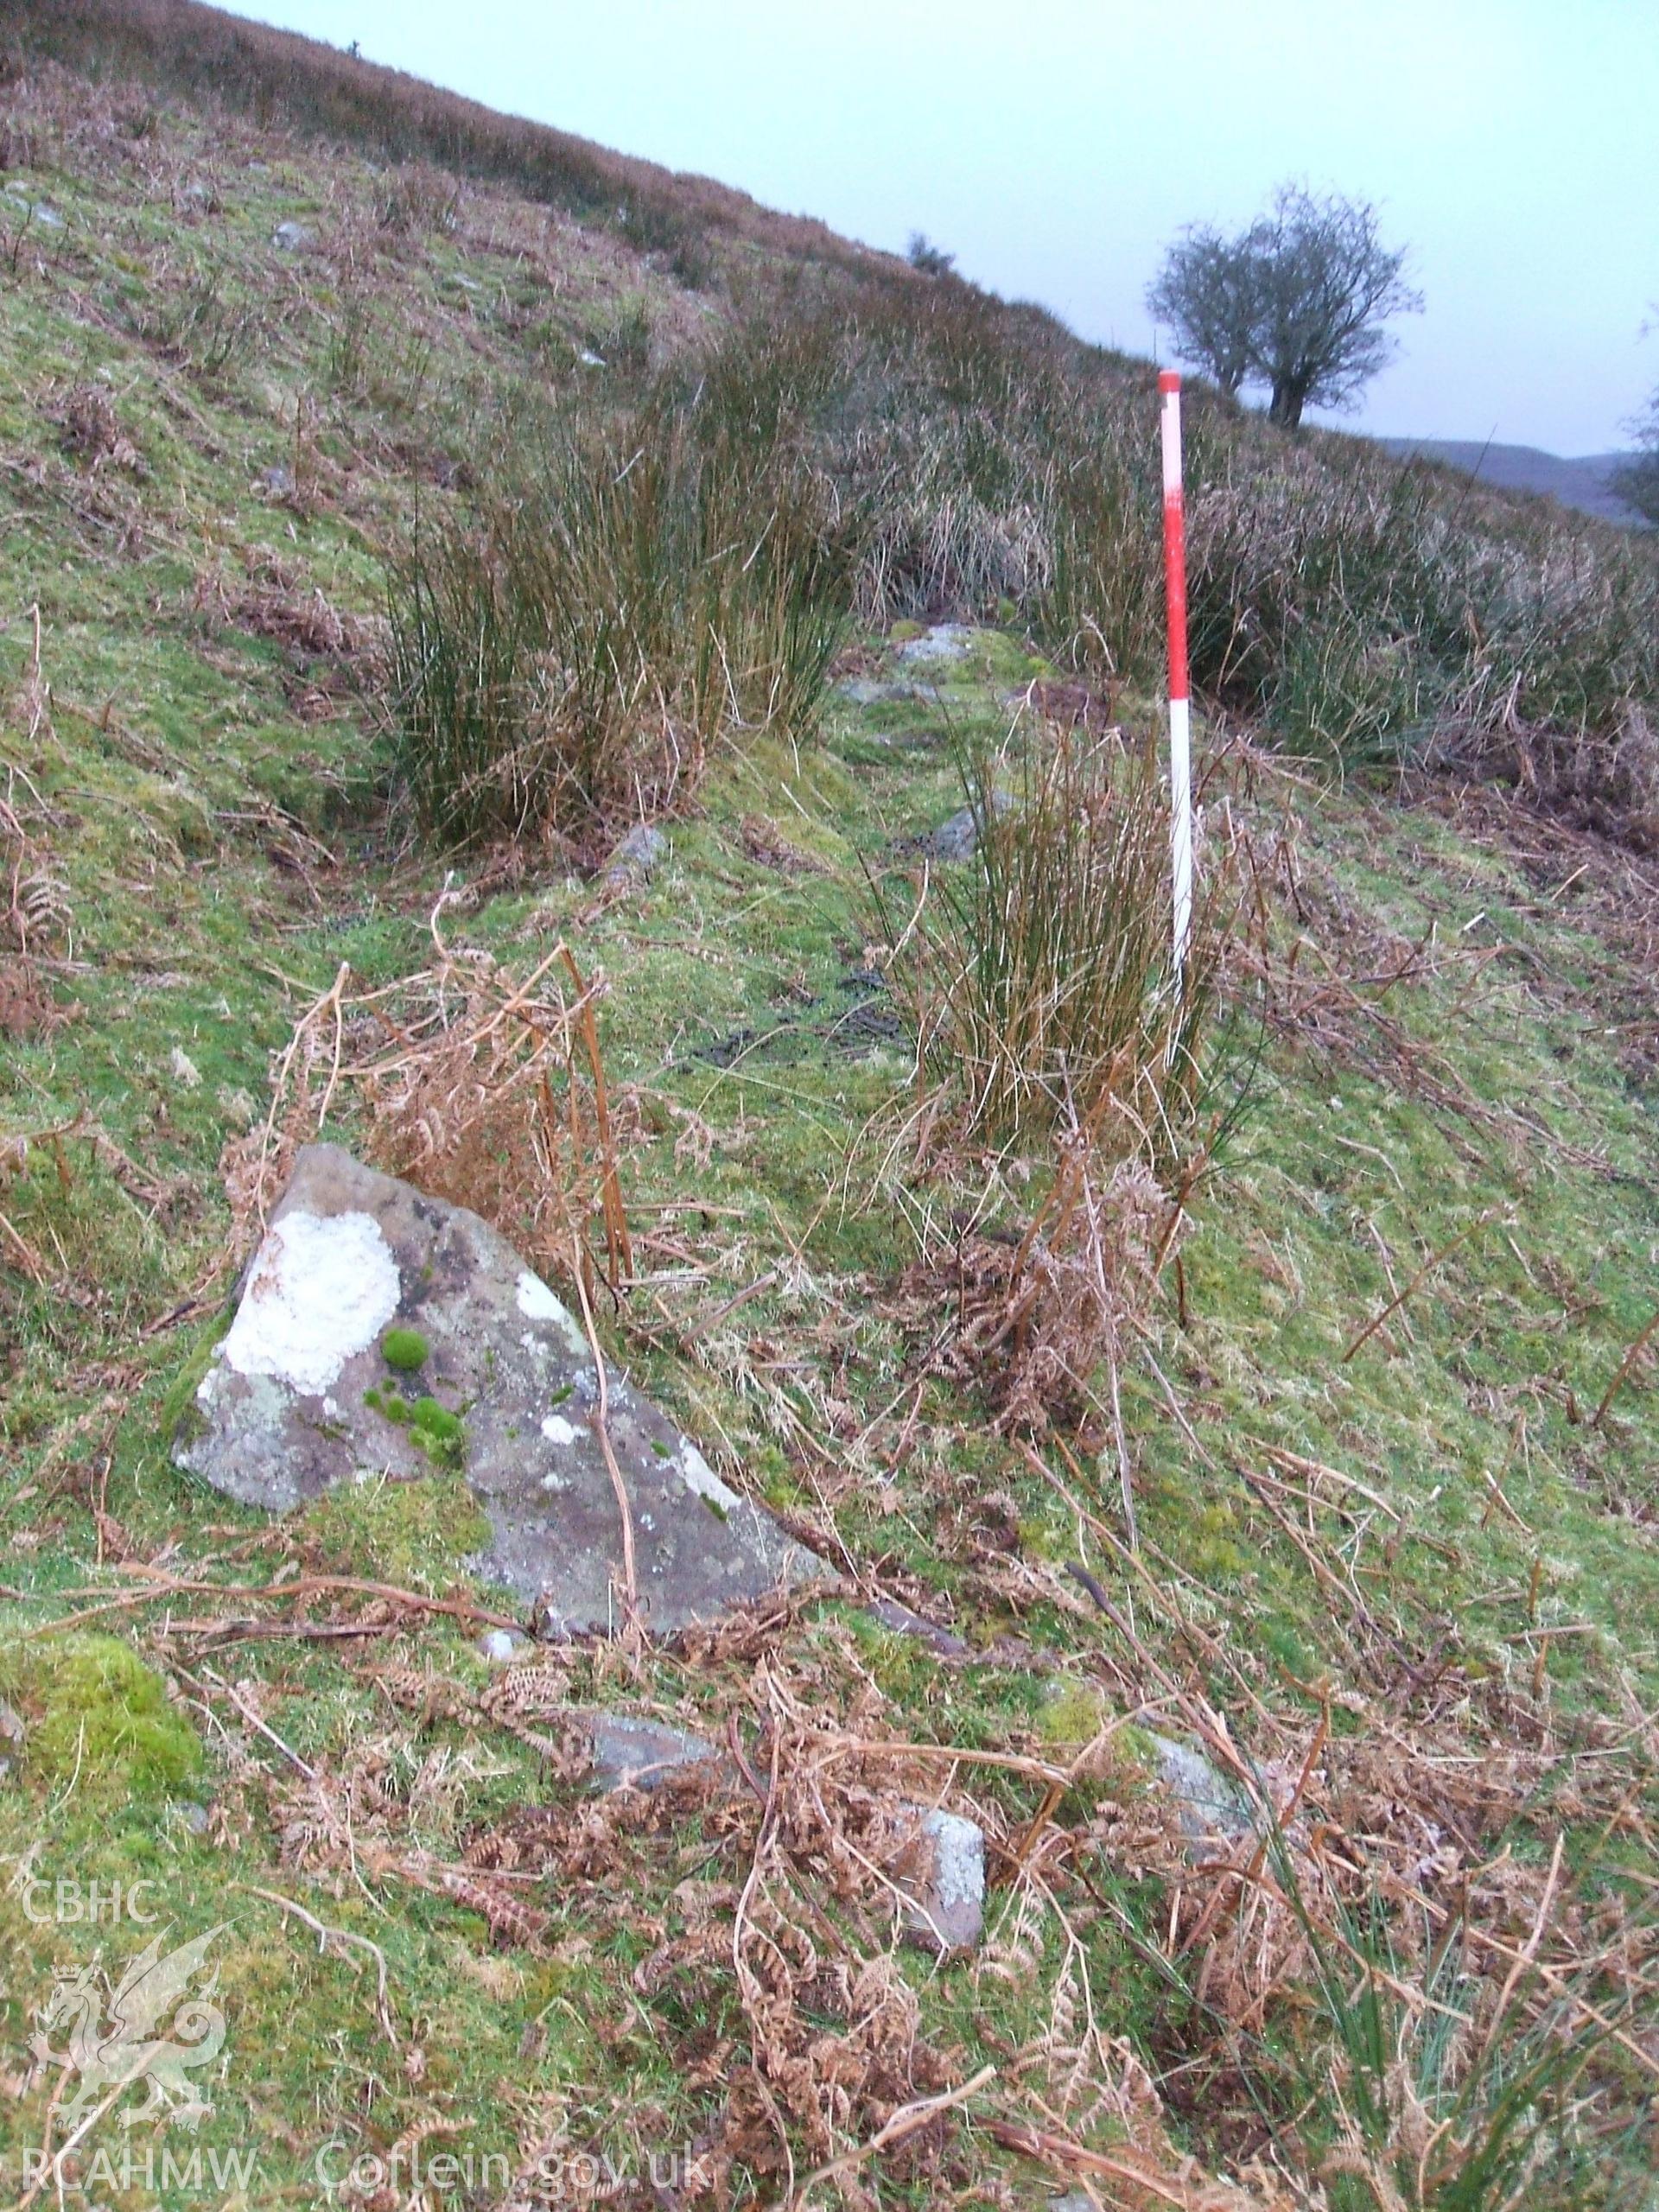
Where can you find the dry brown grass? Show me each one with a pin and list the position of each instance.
(481, 1089)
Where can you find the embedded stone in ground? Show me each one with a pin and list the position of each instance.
(943, 1878)
(899, 1620)
(1209, 1805)
(957, 838)
(631, 1752)
(637, 859)
(380, 1333)
(945, 641)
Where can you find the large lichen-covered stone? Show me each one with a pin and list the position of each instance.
(301, 1395)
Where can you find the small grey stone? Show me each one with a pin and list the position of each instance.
(865, 691)
(901, 1621)
(638, 855)
(944, 1885)
(191, 1815)
(501, 1645)
(299, 1397)
(630, 1753)
(588, 358)
(945, 641)
(957, 839)
(1210, 1805)
(13, 1735)
(278, 480)
(292, 238)
(45, 217)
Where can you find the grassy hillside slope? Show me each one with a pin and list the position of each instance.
(1359, 1477)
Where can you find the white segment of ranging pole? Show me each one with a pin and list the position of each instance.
(1180, 736)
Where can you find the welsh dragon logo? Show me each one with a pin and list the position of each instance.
(129, 2048)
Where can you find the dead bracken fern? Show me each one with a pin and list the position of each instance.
(1034, 1311)
(484, 1090)
(36, 924)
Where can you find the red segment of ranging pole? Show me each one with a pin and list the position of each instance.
(1180, 738)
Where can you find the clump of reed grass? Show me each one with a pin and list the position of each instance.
(1039, 975)
(567, 654)
(1059, 1050)
(1426, 2088)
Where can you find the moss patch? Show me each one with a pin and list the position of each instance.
(415, 1532)
(404, 1351)
(98, 1720)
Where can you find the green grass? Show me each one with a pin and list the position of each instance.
(214, 803)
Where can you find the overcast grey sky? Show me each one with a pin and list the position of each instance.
(1056, 145)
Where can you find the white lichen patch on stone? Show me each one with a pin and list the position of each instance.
(557, 1430)
(322, 1290)
(958, 1858)
(537, 1303)
(701, 1478)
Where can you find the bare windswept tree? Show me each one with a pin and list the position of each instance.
(1638, 480)
(1204, 293)
(1297, 302)
(930, 259)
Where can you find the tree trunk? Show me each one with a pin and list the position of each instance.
(1285, 406)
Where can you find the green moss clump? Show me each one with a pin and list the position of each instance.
(404, 1350)
(1075, 1715)
(437, 1431)
(98, 1718)
(435, 1420)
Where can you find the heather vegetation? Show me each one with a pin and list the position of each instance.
(1227, 1402)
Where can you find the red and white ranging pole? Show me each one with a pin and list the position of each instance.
(1180, 736)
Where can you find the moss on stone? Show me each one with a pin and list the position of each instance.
(404, 1350)
(435, 1420)
(1075, 1715)
(414, 1531)
(181, 1420)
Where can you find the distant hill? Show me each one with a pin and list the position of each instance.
(1583, 483)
